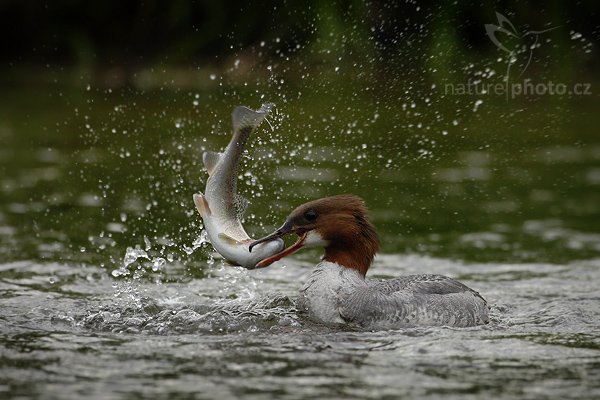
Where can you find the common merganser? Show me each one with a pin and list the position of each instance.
(336, 291)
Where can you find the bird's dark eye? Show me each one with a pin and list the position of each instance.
(310, 215)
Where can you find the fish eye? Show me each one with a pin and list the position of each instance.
(310, 215)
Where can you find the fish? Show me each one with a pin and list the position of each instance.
(220, 207)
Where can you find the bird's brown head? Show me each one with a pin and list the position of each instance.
(338, 223)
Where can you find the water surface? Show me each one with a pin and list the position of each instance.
(109, 289)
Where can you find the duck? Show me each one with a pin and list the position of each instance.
(337, 291)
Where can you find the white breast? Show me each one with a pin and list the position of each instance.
(327, 285)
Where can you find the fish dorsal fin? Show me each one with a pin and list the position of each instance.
(243, 117)
(210, 159)
(202, 205)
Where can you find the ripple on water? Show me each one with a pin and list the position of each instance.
(270, 313)
(241, 329)
(89, 200)
(550, 230)
(304, 174)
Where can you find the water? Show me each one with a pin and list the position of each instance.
(108, 289)
(237, 333)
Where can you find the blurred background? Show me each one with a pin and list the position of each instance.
(120, 44)
(105, 109)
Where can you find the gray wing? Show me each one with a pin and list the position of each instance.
(426, 284)
(414, 300)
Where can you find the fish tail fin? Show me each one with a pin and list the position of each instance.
(245, 118)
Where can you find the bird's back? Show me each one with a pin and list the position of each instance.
(414, 300)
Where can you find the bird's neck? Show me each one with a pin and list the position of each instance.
(357, 256)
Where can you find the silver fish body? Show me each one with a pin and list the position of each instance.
(220, 205)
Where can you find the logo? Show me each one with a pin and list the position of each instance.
(519, 48)
(509, 31)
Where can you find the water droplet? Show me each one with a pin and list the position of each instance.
(131, 255)
(158, 263)
(119, 272)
